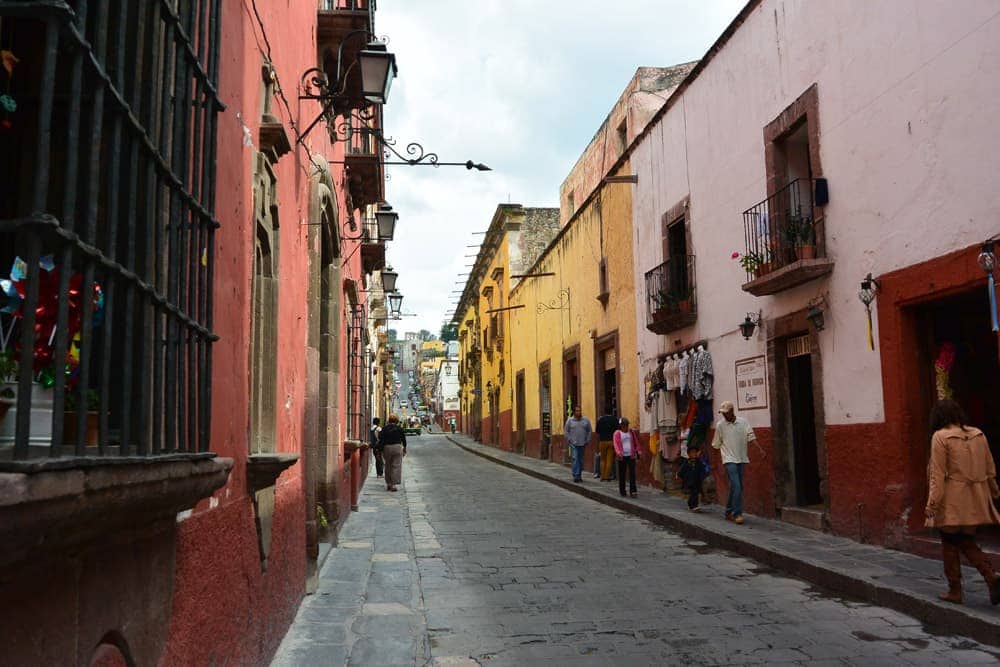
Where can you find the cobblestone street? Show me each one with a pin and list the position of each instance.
(475, 562)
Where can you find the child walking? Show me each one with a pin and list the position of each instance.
(692, 473)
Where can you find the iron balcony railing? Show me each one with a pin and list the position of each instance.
(347, 5)
(107, 231)
(783, 229)
(671, 297)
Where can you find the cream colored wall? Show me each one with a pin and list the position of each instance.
(905, 120)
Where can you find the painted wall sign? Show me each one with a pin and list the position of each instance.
(751, 383)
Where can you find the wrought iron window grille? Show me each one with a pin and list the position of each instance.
(107, 208)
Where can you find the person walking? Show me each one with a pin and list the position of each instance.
(732, 434)
(393, 441)
(577, 433)
(604, 466)
(962, 479)
(376, 445)
(692, 474)
(627, 446)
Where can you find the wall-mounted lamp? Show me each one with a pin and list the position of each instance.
(869, 288)
(816, 317)
(385, 219)
(389, 280)
(395, 304)
(338, 90)
(748, 325)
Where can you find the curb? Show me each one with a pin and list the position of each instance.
(937, 615)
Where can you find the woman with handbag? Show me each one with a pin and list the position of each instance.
(626, 443)
(963, 486)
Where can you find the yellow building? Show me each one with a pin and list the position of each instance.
(574, 339)
(515, 238)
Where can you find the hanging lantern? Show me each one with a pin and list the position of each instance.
(988, 262)
(869, 286)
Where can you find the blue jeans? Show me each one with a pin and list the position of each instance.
(734, 504)
(577, 451)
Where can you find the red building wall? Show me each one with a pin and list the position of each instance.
(225, 609)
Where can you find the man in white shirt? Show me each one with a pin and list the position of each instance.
(732, 434)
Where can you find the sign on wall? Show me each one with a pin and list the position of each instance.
(751, 383)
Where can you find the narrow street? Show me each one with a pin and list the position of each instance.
(473, 563)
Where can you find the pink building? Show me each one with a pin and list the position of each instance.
(229, 245)
(826, 143)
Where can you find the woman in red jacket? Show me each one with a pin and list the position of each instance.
(626, 442)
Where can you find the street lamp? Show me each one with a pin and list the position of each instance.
(749, 324)
(389, 280)
(395, 304)
(330, 86)
(386, 219)
(816, 317)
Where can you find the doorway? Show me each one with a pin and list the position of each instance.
(960, 325)
(606, 375)
(802, 415)
(519, 397)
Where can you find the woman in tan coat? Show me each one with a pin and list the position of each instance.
(963, 485)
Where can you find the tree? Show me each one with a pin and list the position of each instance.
(425, 335)
(449, 332)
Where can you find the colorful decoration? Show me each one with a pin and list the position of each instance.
(942, 370)
(14, 290)
(988, 262)
(7, 102)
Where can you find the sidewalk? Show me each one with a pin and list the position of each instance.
(367, 608)
(893, 579)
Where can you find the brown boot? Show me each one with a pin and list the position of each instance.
(951, 557)
(981, 562)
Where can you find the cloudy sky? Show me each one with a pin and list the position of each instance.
(520, 85)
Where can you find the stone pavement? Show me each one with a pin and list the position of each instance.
(898, 580)
(472, 563)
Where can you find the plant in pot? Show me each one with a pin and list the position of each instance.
(71, 418)
(685, 301)
(665, 302)
(801, 236)
(752, 262)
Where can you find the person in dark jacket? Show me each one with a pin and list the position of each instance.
(393, 441)
(376, 446)
(692, 474)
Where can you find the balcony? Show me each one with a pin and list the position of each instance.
(671, 299)
(337, 18)
(363, 159)
(372, 249)
(785, 239)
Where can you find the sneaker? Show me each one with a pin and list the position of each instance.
(634, 494)
(577, 480)
(696, 508)
(738, 519)
(597, 475)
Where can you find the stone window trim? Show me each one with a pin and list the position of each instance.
(804, 108)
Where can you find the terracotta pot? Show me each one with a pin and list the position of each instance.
(762, 270)
(69, 428)
(805, 252)
(685, 306)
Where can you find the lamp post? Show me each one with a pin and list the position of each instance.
(385, 219)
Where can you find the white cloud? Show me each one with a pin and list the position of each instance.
(521, 85)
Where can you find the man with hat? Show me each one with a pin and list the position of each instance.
(732, 434)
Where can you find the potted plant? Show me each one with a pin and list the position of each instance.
(801, 236)
(753, 263)
(41, 405)
(665, 302)
(685, 302)
(71, 418)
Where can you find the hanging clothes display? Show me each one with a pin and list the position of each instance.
(702, 375)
